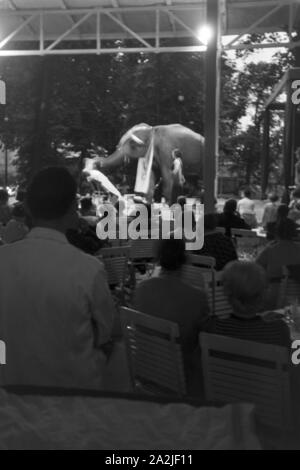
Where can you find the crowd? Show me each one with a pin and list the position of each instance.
(57, 314)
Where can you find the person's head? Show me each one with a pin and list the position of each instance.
(286, 229)
(245, 285)
(51, 199)
(282, 211)
(210, 222)
(171, 254)
(18, 212)
(230, 206)
(21, 195)
(176, 153)
(3, 196)
(86, 204)
(296, 193)
(247, 193)
(181, 200)
(273, 197)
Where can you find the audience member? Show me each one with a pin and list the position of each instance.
(246, 208)
(230, 218)
(57, 313)
(270, 212)
(282, 213)
(88, 211)
(216, 244)
(5, 211)
(17, 227)
(168, 297)
(283, 251)
(245, 285)
(294, 206)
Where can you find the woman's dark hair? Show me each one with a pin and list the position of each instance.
(51, 193)
(273, 197)
(171, 254)
(247, 193)
(286, 229)
(18, 210)
(282, 212)
(181, 200)
(86, 203)
(21, 195)
(3, 196)
(230, 206)
(210, 221)
(296, 193)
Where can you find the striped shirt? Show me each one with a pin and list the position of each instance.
(251, 329)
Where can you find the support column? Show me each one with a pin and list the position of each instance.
(289, 137)
(212, 93)
(265, 153)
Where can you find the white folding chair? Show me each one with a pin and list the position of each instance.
(221, 306)
(198, 270)
(236, 370)
(116, 265)
(154, 353)
(290, 288)
(247, 243)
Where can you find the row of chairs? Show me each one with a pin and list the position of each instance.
(198, 271)
(234, 370)
(121, 264)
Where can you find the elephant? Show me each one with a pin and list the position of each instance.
(166, 138)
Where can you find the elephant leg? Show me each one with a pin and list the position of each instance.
(151, 188)
(167, 177)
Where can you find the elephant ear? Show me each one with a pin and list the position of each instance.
(132, 134)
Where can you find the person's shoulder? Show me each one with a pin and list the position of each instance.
(84, 259)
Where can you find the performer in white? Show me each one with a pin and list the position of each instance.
(96, 175)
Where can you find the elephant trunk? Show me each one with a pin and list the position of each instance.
(115, 159)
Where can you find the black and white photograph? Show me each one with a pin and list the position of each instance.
(150, 227)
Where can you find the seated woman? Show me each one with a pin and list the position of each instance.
(230, 218)
(216, 244)
(88, 211)
(282, 213)
(245, 285)
(283, 251)
(270, 212)
(168, 297)
(17, 227)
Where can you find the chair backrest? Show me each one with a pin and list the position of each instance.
(154, 353)
(198, 270)
(221, 306)
(115, 261)
(236, 370)
(143, 249)
(246, 242)
(290, 287)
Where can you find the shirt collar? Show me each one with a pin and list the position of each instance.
(47, 234)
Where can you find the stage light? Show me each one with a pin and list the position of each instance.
(205, 33)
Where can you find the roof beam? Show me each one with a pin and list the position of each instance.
(66, 33)
(185, 26)
(253, 26)
(16, 31)
(130, 31)
(12, 5)
(65, 7)
(171, 20)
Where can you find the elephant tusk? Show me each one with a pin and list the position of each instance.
(137, 139)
